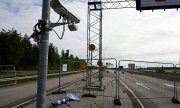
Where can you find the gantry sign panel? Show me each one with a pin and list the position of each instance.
(157, 4)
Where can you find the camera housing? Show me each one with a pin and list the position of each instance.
(72, 27)
(64, 12)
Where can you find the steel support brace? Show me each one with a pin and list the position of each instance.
(94, 36)
(118, 4)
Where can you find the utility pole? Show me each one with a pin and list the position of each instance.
(43, 56)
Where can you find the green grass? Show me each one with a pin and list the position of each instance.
(6, 83)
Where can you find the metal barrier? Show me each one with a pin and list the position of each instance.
(80, 62)
(7, 75)
(92, 88)
(176, 96)
(150, 81)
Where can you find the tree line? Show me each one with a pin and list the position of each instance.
(18, 50)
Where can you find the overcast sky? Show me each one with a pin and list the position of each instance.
(127, 33)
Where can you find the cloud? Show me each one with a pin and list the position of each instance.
(19, 14)
(131, 33)
(126, 32)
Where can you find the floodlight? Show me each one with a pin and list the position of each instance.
(64, 12)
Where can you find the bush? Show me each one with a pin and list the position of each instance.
(159, 70)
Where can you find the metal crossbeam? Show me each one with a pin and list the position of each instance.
(111, 4)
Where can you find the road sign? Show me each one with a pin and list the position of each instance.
(83, 66)
(157, 4)
(99, 63)
(64, 67)
(92, 47)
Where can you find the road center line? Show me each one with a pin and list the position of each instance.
(140, 84)
(142, 106)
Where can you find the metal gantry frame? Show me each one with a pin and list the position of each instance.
(94, 26)
(94, 32)
(94, 35)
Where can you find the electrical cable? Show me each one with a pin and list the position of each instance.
(40, 26)
(57, 22)
(62, 31)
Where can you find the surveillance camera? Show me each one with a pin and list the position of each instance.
(72, 27)
(61, 10)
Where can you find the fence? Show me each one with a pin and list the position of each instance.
(91, 87)
(150, 81)
(7, 75)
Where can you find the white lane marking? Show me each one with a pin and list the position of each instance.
(169, 85)
(140, 84)
(142, 106)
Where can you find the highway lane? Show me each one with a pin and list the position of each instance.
(152, 92)
(15, 93)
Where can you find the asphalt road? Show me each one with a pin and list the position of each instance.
(151, 92)
(16, 93)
